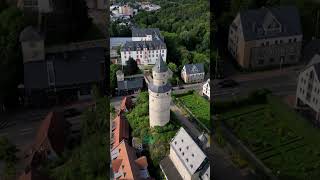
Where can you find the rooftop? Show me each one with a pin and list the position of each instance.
(194, 68)
(188, 151)
(256, 22)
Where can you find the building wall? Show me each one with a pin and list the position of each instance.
(144, 57)
(206, 90)
(249, 54)
(194, 78)
(33, 51)
(184, 173)
(272, 54)
(159, 108)
(314, 90)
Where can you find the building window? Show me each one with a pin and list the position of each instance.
(182, 153)
(276, 42)
(175, 142)
(295, 40)
(179, 149)
(192, 155)
(280, 41)
(290, 40)
(267, 43)
(191, 165)
(187, 160)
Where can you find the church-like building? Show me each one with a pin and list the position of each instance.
(159, 95)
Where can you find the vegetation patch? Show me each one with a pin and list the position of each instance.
(278, 136)
(199, 107)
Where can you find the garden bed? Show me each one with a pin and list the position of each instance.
(279, 137)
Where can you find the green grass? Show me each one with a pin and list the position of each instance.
(199, 107)
(281, 138)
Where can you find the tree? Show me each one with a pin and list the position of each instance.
(173, 67)
(132, 66)
(11, 70)
(113, 77)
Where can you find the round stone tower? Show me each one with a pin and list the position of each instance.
(159, 95)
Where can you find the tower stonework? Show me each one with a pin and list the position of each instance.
(159, 95)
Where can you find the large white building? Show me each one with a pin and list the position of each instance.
(159, 95)
(308, 88)
(187, 158)
(146, 47)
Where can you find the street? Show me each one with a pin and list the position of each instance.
(280, 83)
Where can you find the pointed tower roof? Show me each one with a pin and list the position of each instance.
(160, 66)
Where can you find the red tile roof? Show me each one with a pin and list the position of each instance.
(51, 136)
(121, 130)
(126, 103)
(127, 163)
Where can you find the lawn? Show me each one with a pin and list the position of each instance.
(281, 138)
(199, 107)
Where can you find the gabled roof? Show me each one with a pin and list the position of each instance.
(160, 66)
(194, 68)
(128, 163)
(126, 103)
(253, 22)
(142, 32)
(188, 151)
(121, 130)
(150, 45)
(30, 34)
(51, 133)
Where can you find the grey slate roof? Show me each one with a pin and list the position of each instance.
(75, 67)
(30, 34)
(188, 151)
(194, 68)
(150, 45)
(253, 21)
(160, 66)
(136, 83)
(159, 89)
(142, 32)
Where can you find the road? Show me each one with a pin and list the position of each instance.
(280, 83)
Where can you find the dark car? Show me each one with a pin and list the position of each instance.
(228, 83)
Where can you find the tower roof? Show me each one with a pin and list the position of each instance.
(160, 66)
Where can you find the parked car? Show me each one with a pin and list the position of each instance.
(228, 83)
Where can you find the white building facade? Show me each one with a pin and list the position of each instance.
(146, 47)
(308, 88)
(206, 89)
(159, 95)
